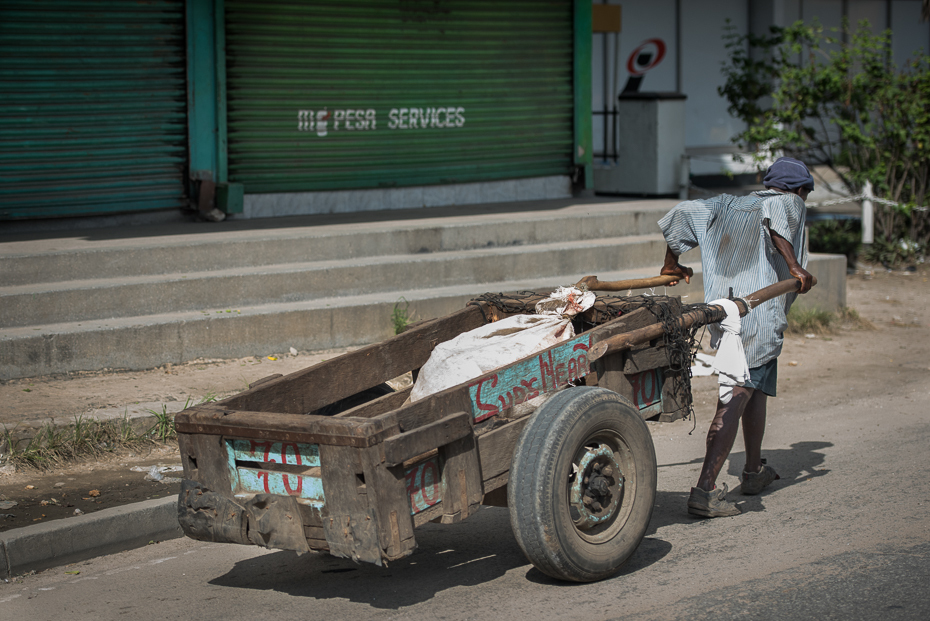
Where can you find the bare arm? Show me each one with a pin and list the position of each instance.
(786, 250)
(673, 268)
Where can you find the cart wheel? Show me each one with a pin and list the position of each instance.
(582, 484)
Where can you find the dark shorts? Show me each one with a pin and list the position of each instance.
(764, 377)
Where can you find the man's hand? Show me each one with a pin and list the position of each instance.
(673, 268)
(806, 278)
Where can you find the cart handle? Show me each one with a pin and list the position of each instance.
(593, 284)
(621, 342)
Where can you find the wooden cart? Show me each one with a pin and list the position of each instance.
(329, 459)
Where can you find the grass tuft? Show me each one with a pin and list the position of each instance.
(53, 445)
(400, 316)
(820, 322)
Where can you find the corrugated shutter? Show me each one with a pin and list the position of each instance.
(93, 113)
(333, 95)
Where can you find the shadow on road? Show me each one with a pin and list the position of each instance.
(476, 551)
(649, 551)
(795, 464)
(798, 463)
(473, 552)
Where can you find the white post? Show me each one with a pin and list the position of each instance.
(867, 234)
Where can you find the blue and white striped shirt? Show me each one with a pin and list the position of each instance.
(737, 251)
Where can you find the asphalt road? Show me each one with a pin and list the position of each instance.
(845, 534)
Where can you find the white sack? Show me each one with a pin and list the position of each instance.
(495, 345)
(492, 346)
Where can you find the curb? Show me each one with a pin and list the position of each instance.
(79, 538)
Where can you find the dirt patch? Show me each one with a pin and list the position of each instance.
(85, 487)
(83, 394)
(875, 361)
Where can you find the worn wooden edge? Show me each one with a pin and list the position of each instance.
(358, 432)
(407, 445)
(428, 515)
(379, 406)
(495, 490)
(267, 378)
(495, 448)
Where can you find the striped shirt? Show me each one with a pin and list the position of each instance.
(737, 251)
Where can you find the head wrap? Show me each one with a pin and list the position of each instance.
(789, 174)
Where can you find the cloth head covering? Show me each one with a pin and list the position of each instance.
(789, 174)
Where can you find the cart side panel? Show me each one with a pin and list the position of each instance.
(312, 388)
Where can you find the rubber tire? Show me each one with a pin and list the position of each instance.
(538, 494)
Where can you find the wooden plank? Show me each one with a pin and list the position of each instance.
(432, 408)
(267, 378)
(424, 482)
(387, 497)
(379, 406)
(314, 532)
(311, 518)
(429, 515)
(495, 448)
(348, 523)
(408, 445)
(206, 455)
(497, 497)
(294, 453)
(673, 408)
(610, 375)
(284, 427)
(646, 358)
(327, 382)
(461, 480)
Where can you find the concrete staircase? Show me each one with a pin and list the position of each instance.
(140, 298)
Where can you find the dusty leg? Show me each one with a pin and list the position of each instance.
(722, 434)
(754, 429)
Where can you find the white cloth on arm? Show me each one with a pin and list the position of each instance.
(730, 362)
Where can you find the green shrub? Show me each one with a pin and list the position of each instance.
(836, 237)
(834, 98)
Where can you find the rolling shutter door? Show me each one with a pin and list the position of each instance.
(93, 113)
(339, 95)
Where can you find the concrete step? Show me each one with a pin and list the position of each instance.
(239, 245)
(121, 296)
(141, 298)
(308, 325)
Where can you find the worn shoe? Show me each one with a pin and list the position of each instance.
(755, 482)
(711, 504)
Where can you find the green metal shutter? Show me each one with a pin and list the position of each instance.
(93, 113)
(321, 95)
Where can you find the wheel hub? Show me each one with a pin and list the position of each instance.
(597, 487)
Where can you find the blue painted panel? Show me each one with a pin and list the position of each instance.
(647, 391)
(424, 485)
(304, 487)
(529, 378)
(294, 453)
(308, 489)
